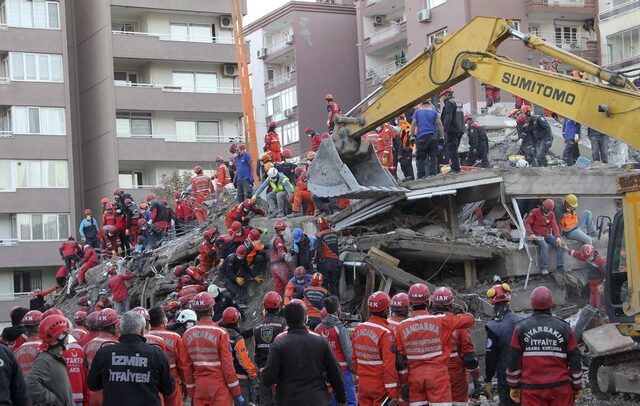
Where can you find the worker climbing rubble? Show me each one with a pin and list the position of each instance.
(281, 190)
(272, 142)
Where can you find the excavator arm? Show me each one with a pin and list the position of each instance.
(346, 166)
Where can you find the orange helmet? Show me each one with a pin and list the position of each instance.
(467, 117)
(198, 169)
(104, 200)
(322, 223)
(310, 155)
(317, 279)
(273, 124)
(286, 153)
(266, 157)
(53, 330)
(328, 96)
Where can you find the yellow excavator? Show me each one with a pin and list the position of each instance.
(347, 166)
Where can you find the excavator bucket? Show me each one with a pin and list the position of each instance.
(357, 175)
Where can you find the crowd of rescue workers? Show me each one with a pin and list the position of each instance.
(415, 348)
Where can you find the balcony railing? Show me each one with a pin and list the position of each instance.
(188, 138)
(189, 38)
(141, 186)
(8, 242)
(280, 45)
(279, 80)
(574, 43)
(557, 3)
(618, 10)
(6, 134)
(379, 74)
(386, 33)
(174, 88)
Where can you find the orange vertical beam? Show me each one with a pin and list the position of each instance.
(245, 86)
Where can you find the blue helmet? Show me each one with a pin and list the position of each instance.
(297, 234)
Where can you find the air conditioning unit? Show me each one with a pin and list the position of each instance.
(262, 53)
(226, 23)
(424, 16)
(288, 113)
(230, 70)
(289, 39)
(378, 21)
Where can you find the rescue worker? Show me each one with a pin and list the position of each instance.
(116, 282)
(264, 163)
(462, 359)
(272, 142)
(14, 335)
(13, 390)
(427, 129)
(70, 252)
(108, 321)
(108, 215)
(478, 143)
(93, 329)
(541, 131)
(313, 297)
(596, 264)
(244, 367)
(544, 366)
(599, 145)
(264, 333)
(74, 358)
(223, 300)
(185, 320)
(237, 273)
(208, 251)
(242, 213)
(405, 147)
(279, 258)
(297, 383)
(131, 371)
(528, 142)
(453, 123)
(160, 217)
(89, 230)
(103, 301)
(399, 311)
(315, 139)
(491, 94)
(48, 382)
(571, 134)
(202, 190)
(27, 352)
(89, 260)
(327, 256)
(185, 215)
(286, 167)
(212, 379)
(257, 255)
(374, 357)
(222, 176)
(339, 340)
(151, 339)
(499, 331)
(243, 180)
(79, 319)
(302, 198)
(296, 285)
(303, 249)
(542, 229)
(424, 346)
(333, 110)
(573, 227)
(278, 197)
(123, 225)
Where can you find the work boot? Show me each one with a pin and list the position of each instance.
(294, 214)
(544, 271)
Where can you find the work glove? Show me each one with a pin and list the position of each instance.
(457, 309)
(515, 394)
(488, 390)
(600, 289)
(577, 394)
(258, 280)
(240, 281)
(238, 401)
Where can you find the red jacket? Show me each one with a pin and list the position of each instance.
(597, 264)
(316, 140)
(175, 351)
(76, 370)
(70, 248)
(539, 224)
(90, 257)
(201, 187)
(278, 249)
(272, 143)
(334, 109)
(26, 354)
(222, 176)
(118, 287)
(62, 272)
(108, 218)
(461, 345)
(184, 212)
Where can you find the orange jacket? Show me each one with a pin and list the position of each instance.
(201, 187)
(153, 339)
(569, 221)
(272, 142)
(26, 354)
(461, 345)
(94, 345)
(209, 352)
(244, 367)
(222, 176)
(175, 351)
(313, 297)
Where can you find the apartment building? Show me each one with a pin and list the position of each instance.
(392, 32)
(299, 53)
(37, 180)
(619, 22)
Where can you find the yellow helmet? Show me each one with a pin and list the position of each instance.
(571, 200)
(267, 166)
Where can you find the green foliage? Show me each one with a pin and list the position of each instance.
(176, 181)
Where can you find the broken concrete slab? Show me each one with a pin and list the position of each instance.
(521, 296)
(400, 277)
(606, 339)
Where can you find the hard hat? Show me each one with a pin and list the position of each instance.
(273, 124)
(236, 227)
(286, 153)
(268, 166)
(310, 155)
(272, 300)
(84, 301)
(116, 191)
(254, 234)
(92, 321)
(171, 306)
(210, 233)
(219, 159)
(445, 91)
(308, 130)
(587, 250)
(499, 293)
(104, 200)
(88, 212)
(265, 157)
(185, 300)
(213, 290)
(378, 302)
(521, 120)
(541, 298)
(419, 294)
(79, 316)
(299, 272)
(230, 316)
(467, 117)
(144, 312)
(32, 318)
(279, 225)
(241, 251)
(548, 204)
(297, 234)
(571, 200)
(51, 312)
(322, 222)
(241, 147)
(176, 195)
(108, 206)
(526, 109)
(187, 315)
(317, 279)
(202, 302)
(442, 297)
(233, 148)
(107, 317)
(54, 330)
(400, 302)
(198, 169)
(514, 112)
(522, 163)
(186, 280)
(272, 173)
(328, 96)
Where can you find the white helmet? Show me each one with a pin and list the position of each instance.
(186, 316)
(214, 290)
(522, 163)
(272, 173)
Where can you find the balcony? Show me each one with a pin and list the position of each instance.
(35, 200)
(624, 63)
(30, 253)
(173, 148)
(200, 6)
(277, 51)
(279, 81)
(376, 76)
(158, 46)
(581, 45)
(381, 7)
(386, 37)
(38, 40)
(34, 146)
(31, 93)
(619, 10)
(566, 8)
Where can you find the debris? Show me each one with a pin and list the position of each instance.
(606, 339)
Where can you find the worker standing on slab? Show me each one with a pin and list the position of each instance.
(599, 145)
(542, 229)
(374, 354)
(571, 133)
(539, 128)
(222, 176)
(499, 332)
(328, 256)
(427, 129)
(453, 123)
(202, 190)
(272, 143)
(545, 362)
(405, 147)
(478, 143)
(243, 179)
(333, 110)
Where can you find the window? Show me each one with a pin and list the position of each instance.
(440, 33)
(43, 226)
(128, 124)
(290, 133)
(38, 120)
(42, 174)
(623, 45)
(566, 35)
(123, 27)
(130, 179)
(200, 82)
(436, 3)
(534, 29)
(128, 77)
(191, 32)
(279, 102)
(36, 67)
(33, 13)
(27, 281)
(516, 25)
(191, 131)
(7, 183)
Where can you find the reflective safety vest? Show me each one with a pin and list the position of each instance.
(278, 186)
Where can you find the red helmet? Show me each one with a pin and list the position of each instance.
(400, 302)
(316, 279)
(104, 200)
(322, 222)
(254, 234)
(32, 318)
(266, 157)
(442, 297)
(178, 271)
(419, 294)
(467, 117)
(514, 113)
(241, 147)
(521, 120)
(279, 225)
(142, 311)
(53, 329)
(185, 300)
(176, 195)
(186, 280)
(286, 153)
(308, 130)
(51, 312)
(84, 301)
(526, 109)
(233, 148)
(116, 191)
(230, 316)
(445, 91)
(300, 272)
(499, 293)
(198, 169)
(202, 302)
(236, 227)
(272, 300)
(541, 298)
(92, 321)
(587, 250)
(127, 201)
(107, 317)
(211, 233)
(241, 251)
(219, 159)
(378, 302)
(79, 316)
(548, 204)
(171, 306)
(273, 124)
(328, 96)
(150, 197)
(88, 212)
(246, 203)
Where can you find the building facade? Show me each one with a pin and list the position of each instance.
(299, 53)
(620, 35)
(392, 32)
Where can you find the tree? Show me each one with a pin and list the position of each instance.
(176, 181)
